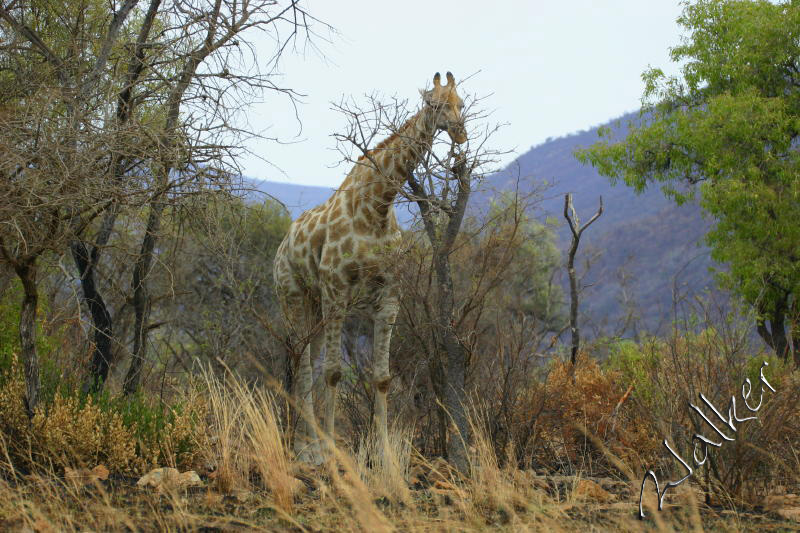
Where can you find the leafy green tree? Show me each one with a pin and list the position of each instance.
(728, 128)
(529, 288)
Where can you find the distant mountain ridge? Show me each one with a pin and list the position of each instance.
(296, 198)
(300, 198)
(648, 246)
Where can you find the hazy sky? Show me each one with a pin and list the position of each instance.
(548, 67)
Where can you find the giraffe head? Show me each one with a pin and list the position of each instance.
(446, 103)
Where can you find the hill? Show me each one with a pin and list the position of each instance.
(644, 248)
(296, 198)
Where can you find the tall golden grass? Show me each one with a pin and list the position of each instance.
(256, 485)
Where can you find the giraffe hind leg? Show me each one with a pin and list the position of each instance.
(334, 313)
(301, 324)
(306, 442)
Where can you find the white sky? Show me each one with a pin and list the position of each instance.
(550, 67)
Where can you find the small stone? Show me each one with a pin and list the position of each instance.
(163, 478)
(157, 477)
(101, 472)
(589, 490)
(792, 513)
(189, 479)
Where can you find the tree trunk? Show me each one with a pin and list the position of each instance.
(100, 360)
(577, 231)
(455, 381)
(775, 335)
(141, 299)
(452, 391)
(573, 303)
(27, 332)
(779, 337)
(438, 381)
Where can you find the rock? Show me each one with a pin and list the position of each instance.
(190, 479)
(792, 513)
(84, 476)
(589, 490)
(786, 505)
(158, 477)
(164, 478)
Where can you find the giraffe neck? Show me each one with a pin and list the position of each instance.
(386, 168)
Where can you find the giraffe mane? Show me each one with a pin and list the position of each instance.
(387, 141)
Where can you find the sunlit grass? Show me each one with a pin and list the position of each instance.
(251, 482)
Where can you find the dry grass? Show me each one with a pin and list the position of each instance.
(386, 475)
(256, 485)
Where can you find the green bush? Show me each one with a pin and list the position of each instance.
(636, 363)
(47, 344)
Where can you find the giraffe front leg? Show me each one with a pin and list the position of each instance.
(334, 313)
(386, 313)
(306, 444)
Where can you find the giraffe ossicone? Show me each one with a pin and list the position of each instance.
(338, 256)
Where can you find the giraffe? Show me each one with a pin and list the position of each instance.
(334, 259)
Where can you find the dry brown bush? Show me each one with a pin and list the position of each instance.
(74, 431)
(267, 490)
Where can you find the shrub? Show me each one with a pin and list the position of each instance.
(668, 374)
(127, 435)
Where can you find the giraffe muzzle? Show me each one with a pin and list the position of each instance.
(458, 134)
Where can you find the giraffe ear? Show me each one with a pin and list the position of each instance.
(427, 96)
(437, 80)
(450, 79)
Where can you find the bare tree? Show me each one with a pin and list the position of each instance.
(440, 187)
(195, 154)
(145, 118)
(577, 230)
(52, 186)
(86, 251)
(501, 263)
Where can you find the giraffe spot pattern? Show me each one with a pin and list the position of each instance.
(337, 256)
